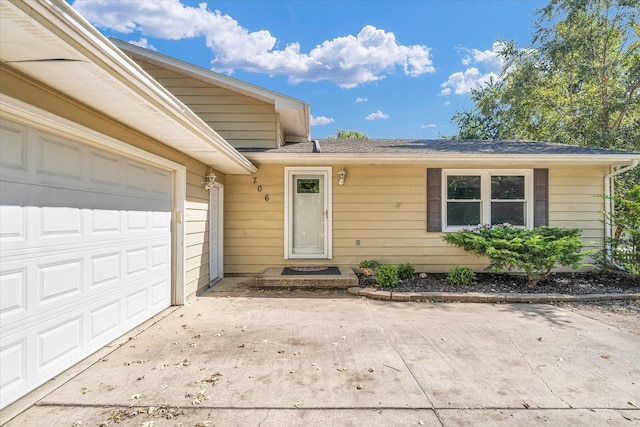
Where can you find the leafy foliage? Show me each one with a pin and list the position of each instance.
(369, 263)
(536, 252)
(387, 275)
(625, 243)
(461, 276)
(349, 134)
(578, 82)
(406, 271)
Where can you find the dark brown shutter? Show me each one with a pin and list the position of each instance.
(434, 199)
(540, 197)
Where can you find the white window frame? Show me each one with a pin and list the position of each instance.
(485, 190)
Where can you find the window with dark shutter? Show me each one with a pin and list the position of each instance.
(540, 197)
(434, 199)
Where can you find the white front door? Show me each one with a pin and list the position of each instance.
(308, 213)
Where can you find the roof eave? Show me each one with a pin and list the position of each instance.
(64, 25)
(441, 159)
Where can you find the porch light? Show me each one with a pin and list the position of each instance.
(209, 181)
(342, 174)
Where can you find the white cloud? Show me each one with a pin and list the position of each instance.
(143, 43)
(348, 61)
(462, 82)
(430, 125)
(378, 115)
(321, 121)
(361, 99)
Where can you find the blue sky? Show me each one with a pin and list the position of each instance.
(390, 69)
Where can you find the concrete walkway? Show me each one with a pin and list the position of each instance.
(238, 357)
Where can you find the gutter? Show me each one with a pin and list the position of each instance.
(609, 204)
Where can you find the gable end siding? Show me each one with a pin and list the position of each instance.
(243, 121)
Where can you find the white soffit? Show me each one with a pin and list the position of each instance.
(49, 41)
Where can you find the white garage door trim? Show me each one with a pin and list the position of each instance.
(171, 189)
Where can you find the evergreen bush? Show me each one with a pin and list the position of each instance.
(535, 252)
(406, 271)
(461, 276)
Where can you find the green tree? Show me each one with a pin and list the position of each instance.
(349, 134)
(578, 82)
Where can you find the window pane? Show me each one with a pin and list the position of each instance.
(463, 213)
(510, 212)
(507, 187)
(463, 187)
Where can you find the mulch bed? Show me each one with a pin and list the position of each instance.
(582, 283)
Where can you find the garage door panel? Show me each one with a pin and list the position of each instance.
(85, 241)
(105, 318)
(59, 281)
(13, 145)
(102, 170)
(66, 164)
(63, 278)
(61, 225)
(59, 342)
(13, 292)
(58, 157)
(105, 269)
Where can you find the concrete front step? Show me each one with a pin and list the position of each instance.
(273, 278)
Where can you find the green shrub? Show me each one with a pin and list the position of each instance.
(536, 251)
(624, 245)
(369, 263)
(405, 271)
(461, 276)
(387, 275)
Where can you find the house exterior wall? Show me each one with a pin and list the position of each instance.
(243, 121)
(23, 88)
(384, 207)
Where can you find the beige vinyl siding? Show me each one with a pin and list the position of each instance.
(254, 227)
(385, 209)
(243, 121)
(575, 200)
(18, 86)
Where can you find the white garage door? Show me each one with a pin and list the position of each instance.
(85, 252)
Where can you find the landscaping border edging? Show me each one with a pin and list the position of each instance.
(477, 297)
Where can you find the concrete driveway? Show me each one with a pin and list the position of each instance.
(327, 359)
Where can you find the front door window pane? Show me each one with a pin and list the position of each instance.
(463, 213)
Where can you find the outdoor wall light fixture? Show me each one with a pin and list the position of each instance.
(342, 174)
(210, 180)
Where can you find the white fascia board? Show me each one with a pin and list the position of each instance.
(442, 160)
(70, 27)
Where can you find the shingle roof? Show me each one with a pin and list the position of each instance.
(432, 146)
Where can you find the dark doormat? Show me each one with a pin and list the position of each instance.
(311, 271)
